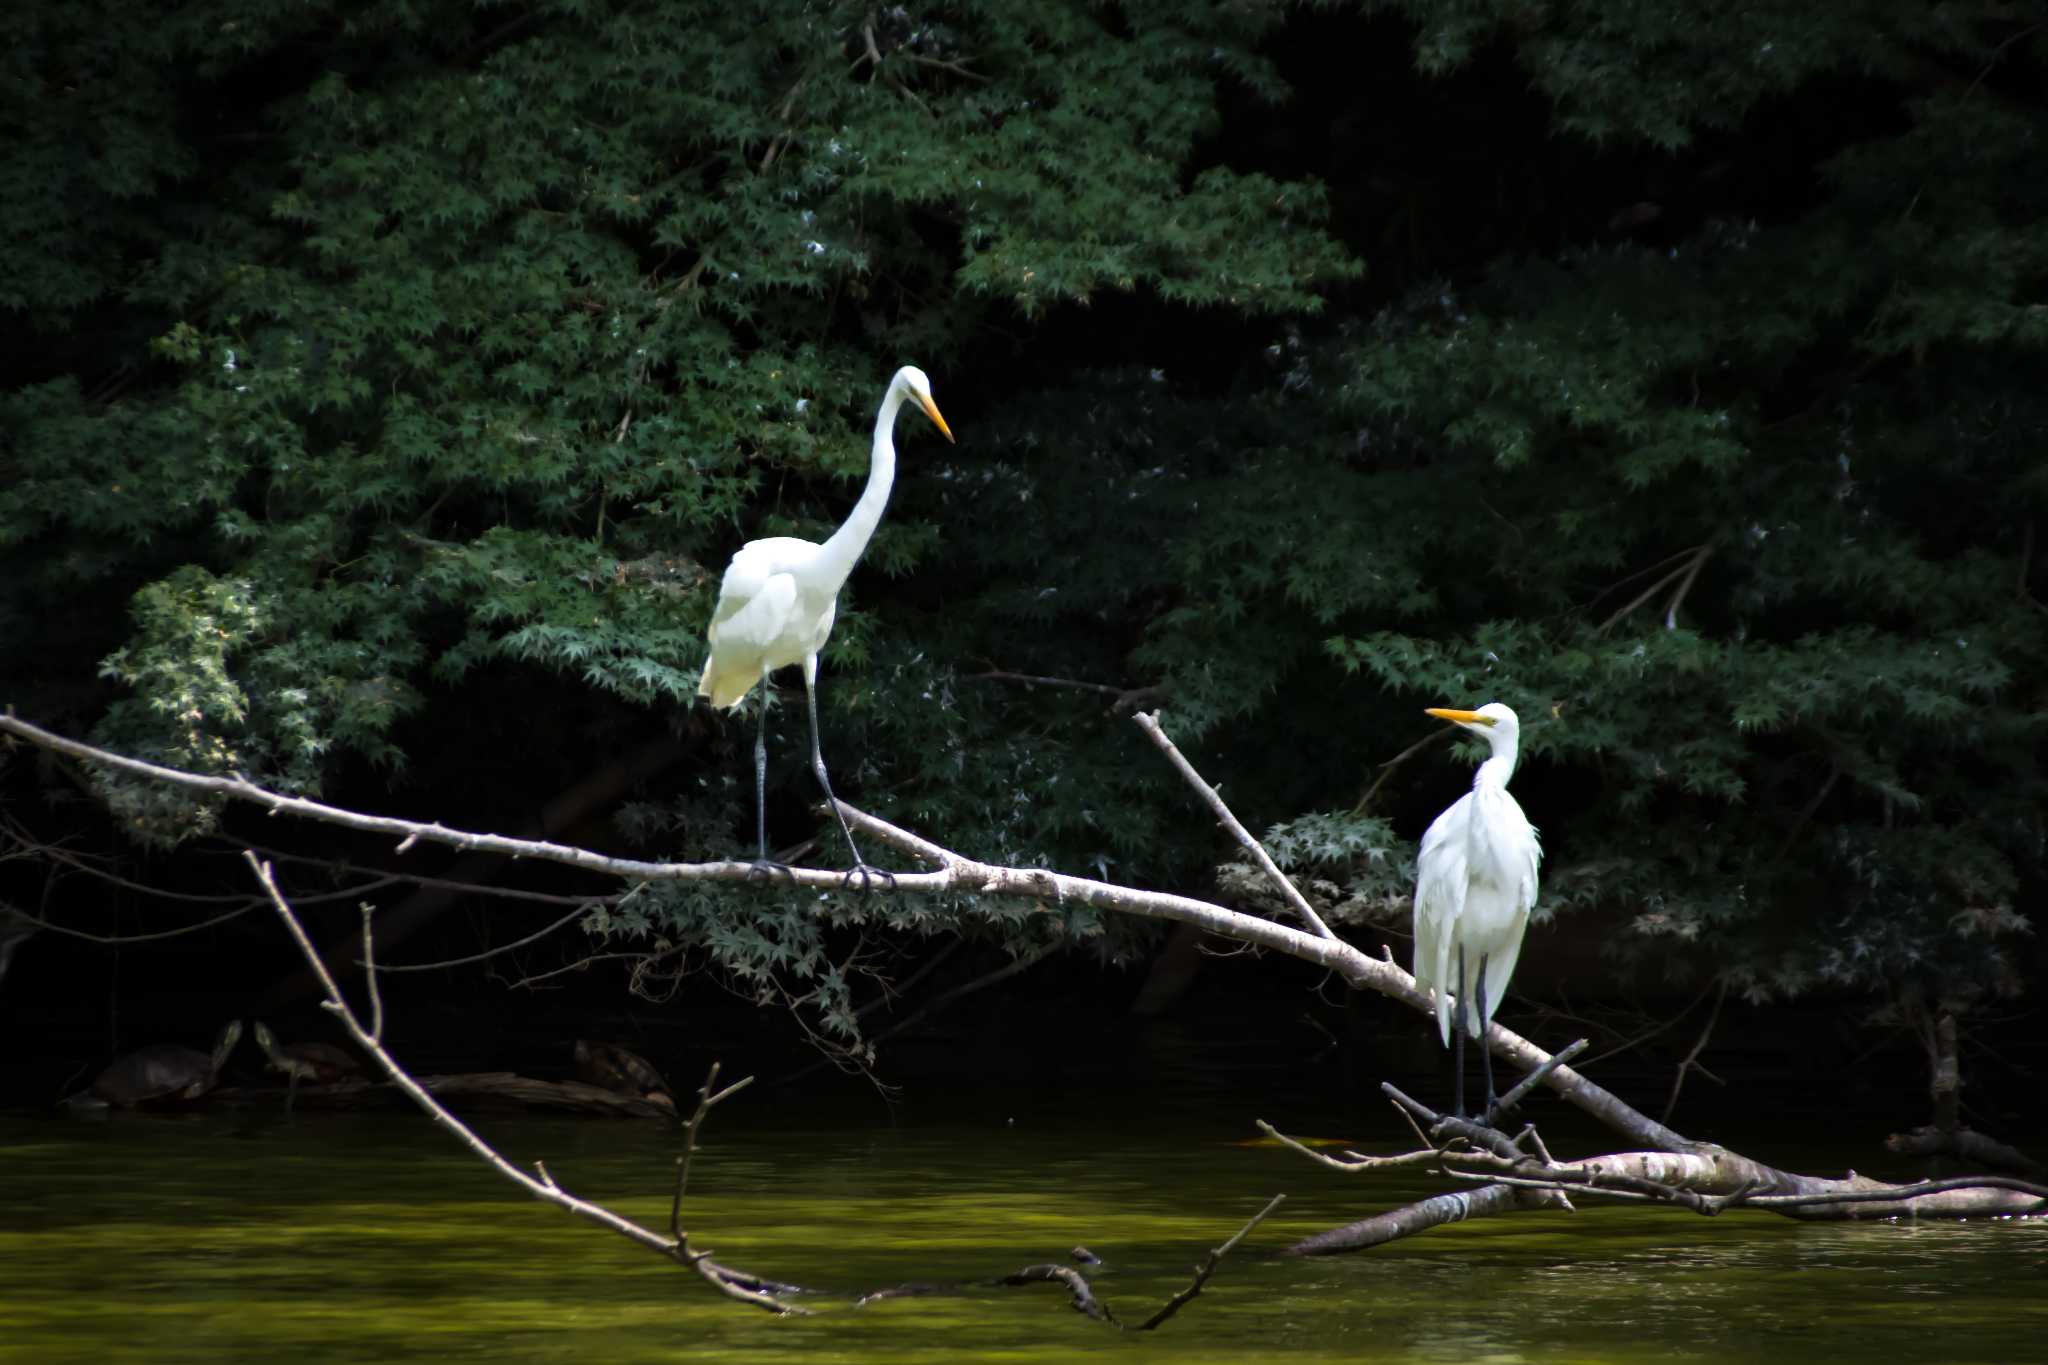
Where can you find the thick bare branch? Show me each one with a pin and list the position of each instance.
(954, 874)
(1708, 1181)
(1454, 1207)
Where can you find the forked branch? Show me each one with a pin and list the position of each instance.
(735, 1284)
(1519, 1173)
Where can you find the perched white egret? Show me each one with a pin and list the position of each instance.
(776, 605)
(1475, 883)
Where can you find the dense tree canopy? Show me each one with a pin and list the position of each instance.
(388, 384)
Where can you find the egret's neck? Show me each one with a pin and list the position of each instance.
(1496, 771)
(839, 554)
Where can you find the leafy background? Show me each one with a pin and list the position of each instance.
(385, 386)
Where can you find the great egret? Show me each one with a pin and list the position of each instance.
(776, 605)
(1475, 883)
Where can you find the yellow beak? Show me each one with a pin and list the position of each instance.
(1461, 717)
(931, 410)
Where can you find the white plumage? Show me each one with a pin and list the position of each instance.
(779, 595)
(1475, 882)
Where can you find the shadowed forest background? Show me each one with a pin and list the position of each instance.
(386, 385)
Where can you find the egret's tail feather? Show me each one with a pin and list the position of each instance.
(726, 687)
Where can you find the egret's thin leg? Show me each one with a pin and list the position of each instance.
(861, 868)
(1458, 1031)
(1485, 1052)
(764, 866)
(761, 774)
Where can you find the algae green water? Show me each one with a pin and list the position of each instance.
(376, 1238)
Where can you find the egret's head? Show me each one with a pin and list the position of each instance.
(913, 382)
(1497, 722)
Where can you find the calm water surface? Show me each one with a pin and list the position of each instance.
(357, 1238)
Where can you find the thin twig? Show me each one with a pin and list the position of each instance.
(30, 846)
(1655, 587)
(1618, 584)
(1647, 1034)
(1352, 1162)
(1125, 697)
(733, 1284)
(924, 969)
(1364, 803)
(1149, 723)
(707, 1096)
(1208, 1267)
(122, 940)
(488, 953)
(943, 65)
(1691, 1059)
(1692, 572)
(1806, 811)
(1003, 973)
(370, 975)
(384, 879)
(1534, 1079)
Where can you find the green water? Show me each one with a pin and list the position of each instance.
(377, 1238)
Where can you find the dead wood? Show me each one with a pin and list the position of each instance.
(734, 1284)
(1511, 1174)
(1811, 1197)
(1967, 1143)
(1084, 1300)
(482, 1089)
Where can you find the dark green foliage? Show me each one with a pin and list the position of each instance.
(377, 365)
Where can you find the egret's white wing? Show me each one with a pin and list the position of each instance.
(1440, 882)
(1498, 902)
(753, 565)
(745, 641)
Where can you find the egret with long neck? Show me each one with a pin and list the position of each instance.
(1475, 883)
(776, 605)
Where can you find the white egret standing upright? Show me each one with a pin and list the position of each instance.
(776, 605)
(1475, 883)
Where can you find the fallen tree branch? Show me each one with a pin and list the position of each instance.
(1455, 1207)
(1967, 1143)
(1708, 1181)
(958, 874)
(733, 1284)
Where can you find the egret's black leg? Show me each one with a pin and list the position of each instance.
(1485, 1052)
(1458, 1032)
(761, 776)
(291, 1089)
(764, 866)
(861, 869)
